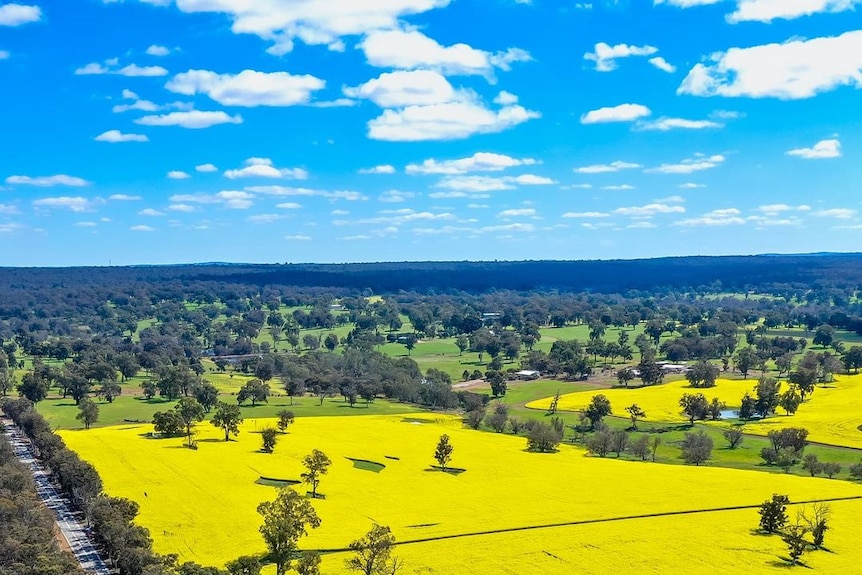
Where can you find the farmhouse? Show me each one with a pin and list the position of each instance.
(528, 374)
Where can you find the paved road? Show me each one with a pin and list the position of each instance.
(72, 529)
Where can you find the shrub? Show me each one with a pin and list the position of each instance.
(734, 437)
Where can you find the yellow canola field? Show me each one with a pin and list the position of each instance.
(201, 504)
(832, 414)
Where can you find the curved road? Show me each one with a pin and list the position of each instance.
(73, 530)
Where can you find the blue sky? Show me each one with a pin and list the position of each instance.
(160, 131)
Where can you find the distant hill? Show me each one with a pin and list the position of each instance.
(726, 272)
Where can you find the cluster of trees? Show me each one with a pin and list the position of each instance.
(814, 522)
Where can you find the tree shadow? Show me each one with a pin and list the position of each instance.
(449, 470)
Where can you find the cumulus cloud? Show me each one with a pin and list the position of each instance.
(381, 169)
(607, 168)
(150, 212)
(605, 56)
(142, 228)
(649, 210)
(822, 149)
(793, 70)
(621, 113)
(479, 184)
(156, 50)
(619, 188)
(124, 198)
(115, 137)
(662, 64)
(721, 217)
(264, 168)
(589, 215)
(194, 119)
(18, 14)
(769, 10)
(178, 175)
(71, 203)
(298, 238)
(395, 196)
(206, 168)
(687, 3)
(664, 124)
(347, 195)
(517, 213)
(411, 49)
(231, 199)
(837, 213)
(249, 88)
(405, 88)
(112, 67)
(478, 162)
(48, 181)
(698, 163)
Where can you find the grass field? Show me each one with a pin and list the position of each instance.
(201, 504)
(832, 414)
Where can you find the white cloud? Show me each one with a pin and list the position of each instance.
(411, 49)
(249, 88)
(662, 64)
(115, 136)
(150, 212)
(621, 187)
(607, 168)
(670, 200)
(505, 98)
(478, 162)
(649, 210)
(185, 208)
(314, 23)
(381, 169)
(642, 225)
(142, 228)
(178, 175)
(517, 213)
(605, 55)
(621, 113)
(194, 119)
(263, 168)
(18, 14)
(691, 186)
(124, 198)
(130, 70)
(86, 224)
(74, 204)
(590, 215)
(478, 184)
(395, 196)
(688, 166)
(298, 238)
(206, 168)
(405, 88)
(687, 3)
(822, 149)
(235, 200)
(156, 50)
(48, 181)
(722, 217)
(664, 124)
(231, 199)
(837, 213)
(769, 10)
(347, 195)
(793, 70)
(265, 218)
(775, 209)
(289, 206)
(448, 121)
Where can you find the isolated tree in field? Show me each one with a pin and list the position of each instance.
(149, 389)
(734, 437)
(227, 417)
(474, 417)
(308, 563)
(640, 447)
(285, 419)
(409, 343)
(285, 521)
(635, 413)
(109, 391)
(694, 406)
(794, 537)
(625, 375)
(88, 413)
(245, 565)
(190, 412)
(544, 438)
(831, 469)
(817, 521)
(598, 408)
(330, 342)
(168, 423)
(255, 390)
(744, 360)
(654, 445)
(702, 374)
(316, 465)
(619, 441)
(373, 553)
(812, 465)
(856, 470)
(443, 451)
(497, 381)
(207, 395)
(462, 343)
(33, 387)
(773, 513)
(795, 438)
(600, 443)
(555, 403)
(824, 335)
(696, 447)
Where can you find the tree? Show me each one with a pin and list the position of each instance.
(651, 372)
(497, 420)
(373, 553)
(207, 395)
(285, 419)
(255, 390)
(245, 565)
(316, 465)
(330, 343)
(545, 438)
(654, 445)
(635, 413)
(598, 408)
(619, 441)
(600, 443)
(746, 407)
(794, 538)
(190, 412)
(702, 374)
(856, 470)
(228, 417)
(474, 417)
(786, 458)
(640, 447)
(766, 396)
(149, 389)
(824, 335)
(443, 452)
(817, 522)
(694, 406)
(773, 513)
(745, 359)
(812, 465)
(853, 359)
(795, 438)
(790, 400)
(625, 375)
(33, 387)
(831, 469)
(696, 447)
(167, 424)
(109, 391)
(734, 437)
(88, 413)
(555, 403)
(463, 343)
(268, 437)
(409, 342)
(285, 521)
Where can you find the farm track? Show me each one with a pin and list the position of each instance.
(593, 521)
(67, 521)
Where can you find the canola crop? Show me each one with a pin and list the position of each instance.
(201, 503)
